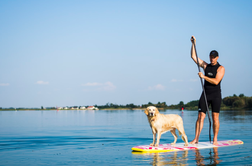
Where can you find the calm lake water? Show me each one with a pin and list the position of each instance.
(106, 138)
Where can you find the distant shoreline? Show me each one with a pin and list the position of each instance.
(115, 109)
(234, 102)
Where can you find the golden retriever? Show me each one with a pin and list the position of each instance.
(161, 123)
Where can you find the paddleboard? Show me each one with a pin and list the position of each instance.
(181, 147)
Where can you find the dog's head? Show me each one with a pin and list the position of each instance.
(151, 111)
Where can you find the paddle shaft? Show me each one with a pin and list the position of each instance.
(204, 92)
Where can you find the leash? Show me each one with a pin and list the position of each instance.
(203, 92)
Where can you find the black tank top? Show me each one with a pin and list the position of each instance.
(211, 72)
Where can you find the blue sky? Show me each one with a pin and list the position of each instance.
(67, 53)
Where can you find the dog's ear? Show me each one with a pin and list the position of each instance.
(156, 111)
(146, 111)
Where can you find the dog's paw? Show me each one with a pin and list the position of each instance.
(156, 145)
(151, 144)
(173, 143)
(186, 144)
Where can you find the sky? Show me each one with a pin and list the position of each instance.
(80, 52)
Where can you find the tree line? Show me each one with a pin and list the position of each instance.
(229, 102)
(235, 101)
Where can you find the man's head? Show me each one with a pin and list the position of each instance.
(214, 56)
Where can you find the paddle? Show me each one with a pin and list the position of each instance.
(203, 91)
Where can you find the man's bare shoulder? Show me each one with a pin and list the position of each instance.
(221, 68)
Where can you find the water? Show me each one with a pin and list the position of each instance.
(106, 138)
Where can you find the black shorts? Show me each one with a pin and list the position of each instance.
(213, 99)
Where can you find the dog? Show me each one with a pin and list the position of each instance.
(161, 123)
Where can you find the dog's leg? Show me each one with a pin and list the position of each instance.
(173, 131)
(154, 138)
(184, 137)
(158, 138)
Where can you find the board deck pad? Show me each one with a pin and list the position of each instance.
(181, 147)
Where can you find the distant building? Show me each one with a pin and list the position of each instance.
(74, 108)
(82, 108)
(92, 108)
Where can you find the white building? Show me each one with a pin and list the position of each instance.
(92, 108)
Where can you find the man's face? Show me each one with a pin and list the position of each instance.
(213, 59)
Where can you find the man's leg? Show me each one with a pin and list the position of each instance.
(198, 127)
(216, 126)
(216, 104)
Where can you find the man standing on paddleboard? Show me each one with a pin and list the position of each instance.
(214, 73)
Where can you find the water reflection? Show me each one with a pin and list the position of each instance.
(174, 159)
(160, 159)
(213, 158)
(237, 115)
(181, 157)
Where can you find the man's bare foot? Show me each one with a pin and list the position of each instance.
(215, 143)
(193, 142)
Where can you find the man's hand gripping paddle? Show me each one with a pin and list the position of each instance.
(203, 91)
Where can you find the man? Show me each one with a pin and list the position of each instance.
(214, 73)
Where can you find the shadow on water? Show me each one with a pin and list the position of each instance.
(179, 157)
